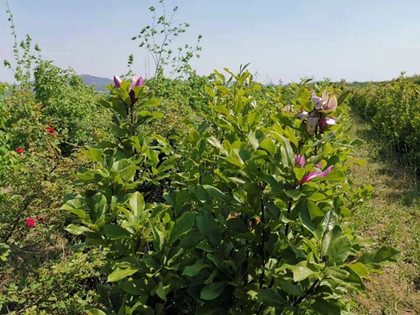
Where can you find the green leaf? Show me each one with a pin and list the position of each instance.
(339, 250)
(381, 257)
(182, 226)
(304, 270)
(208, 226)
(95, 311)
(93, 154)
(316, 196)
(113, 231)
(212, 291)
(133, 287)
(194, 269)
(119, 274)
(360, 269)
(214, 192)
(99, 206)
(216, 143)
(329, 221)
(325, 307)
(289, 287)
(269, 297)
(293, 193)
(79, 212)
(314, 210)
(335, 176)
(77, 230)
(160, 291)
(268, 145)
(137, 203)
(299, 172)
(344, 96)
(158, 238)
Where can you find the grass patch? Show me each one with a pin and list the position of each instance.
(391, 217)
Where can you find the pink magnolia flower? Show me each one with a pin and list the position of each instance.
(136, 82)
(30, 222)
(20, 150)
(327, 121)
(323, 103)
(300, 159)
(315, 173)
(117, 81)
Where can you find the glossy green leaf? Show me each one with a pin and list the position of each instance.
(339, 250)
(381, 257)
(194, 269)
(269, 297)
(212, 291)
(114, 231)
(119, 273)
(77, 230)
(182, 226)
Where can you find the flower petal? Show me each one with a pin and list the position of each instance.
(324, 97)
(117, 81)
(332, 104)
(326, 172)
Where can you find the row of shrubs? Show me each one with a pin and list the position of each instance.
(393, 110)
(206, 195)
(43, 125)
(244, 213)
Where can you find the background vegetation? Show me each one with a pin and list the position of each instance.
(204, 195)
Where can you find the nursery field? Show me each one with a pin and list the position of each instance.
(250, 199)
(179, 193)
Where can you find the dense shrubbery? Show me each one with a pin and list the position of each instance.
(42, 122)
(71, 105)
(393, 109)
(201, 195)
(180, 100)
(245, 214)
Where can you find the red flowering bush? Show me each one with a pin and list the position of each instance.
(30, 222)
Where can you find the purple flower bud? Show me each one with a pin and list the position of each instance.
(117, 81)
(136, 82)
(300, 159)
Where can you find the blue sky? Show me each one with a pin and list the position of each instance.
(287, 40)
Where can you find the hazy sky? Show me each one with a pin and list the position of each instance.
(287, 40)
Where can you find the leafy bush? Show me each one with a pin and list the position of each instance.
(393, 109)
(70, 104)
(248, 213)
(63, 287)
(32, 186)
(180, 100)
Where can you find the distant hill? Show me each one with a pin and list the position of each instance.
(98, 82)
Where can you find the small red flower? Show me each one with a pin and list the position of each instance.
(20, 150)
(40, 219)
(50, 130)
(30, 222)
